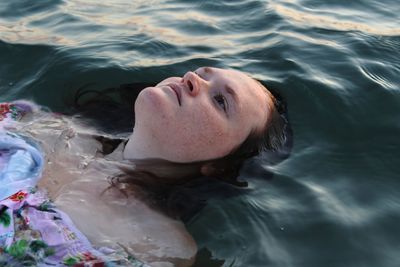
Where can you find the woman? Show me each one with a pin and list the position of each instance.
(203, 124)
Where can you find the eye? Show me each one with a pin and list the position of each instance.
(197, 73)
(201, 74)
(221, 101)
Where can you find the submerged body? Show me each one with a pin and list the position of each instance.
(75, 177)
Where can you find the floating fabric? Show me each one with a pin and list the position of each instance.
(21, 164)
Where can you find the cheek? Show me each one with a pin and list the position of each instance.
(201, 136)
(154, 118)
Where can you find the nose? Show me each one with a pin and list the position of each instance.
(193, 83)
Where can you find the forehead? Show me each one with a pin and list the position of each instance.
(232, 77)
(253, 103)
(237, 80)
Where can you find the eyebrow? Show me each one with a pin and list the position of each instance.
(232, 92)
(207, 69)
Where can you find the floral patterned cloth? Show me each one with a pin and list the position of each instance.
(9, 110)
(13, 112)
(33, 232)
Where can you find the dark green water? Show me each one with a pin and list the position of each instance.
(336, 200)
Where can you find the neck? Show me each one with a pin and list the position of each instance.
(138, 147)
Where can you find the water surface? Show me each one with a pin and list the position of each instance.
(335, 200)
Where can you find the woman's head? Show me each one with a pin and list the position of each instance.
(206, 114)
(206, 123)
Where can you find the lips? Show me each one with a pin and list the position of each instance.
(177, 91)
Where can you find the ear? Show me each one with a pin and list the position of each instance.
(215, 169)
(207, 169)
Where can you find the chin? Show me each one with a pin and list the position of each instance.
(152, 99)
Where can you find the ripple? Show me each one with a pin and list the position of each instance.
(339, 208)
(190, 22)
(328, 21)
(13, 10)
(380, 73)
(21, 33)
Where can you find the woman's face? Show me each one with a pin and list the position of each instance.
(203, 115)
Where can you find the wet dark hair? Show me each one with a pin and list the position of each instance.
(166, 182)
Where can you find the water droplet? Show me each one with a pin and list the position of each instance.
(146, 238)
(83, 165)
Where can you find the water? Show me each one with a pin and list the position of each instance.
(335, 200)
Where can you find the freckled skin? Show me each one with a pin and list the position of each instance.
(197, 128)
